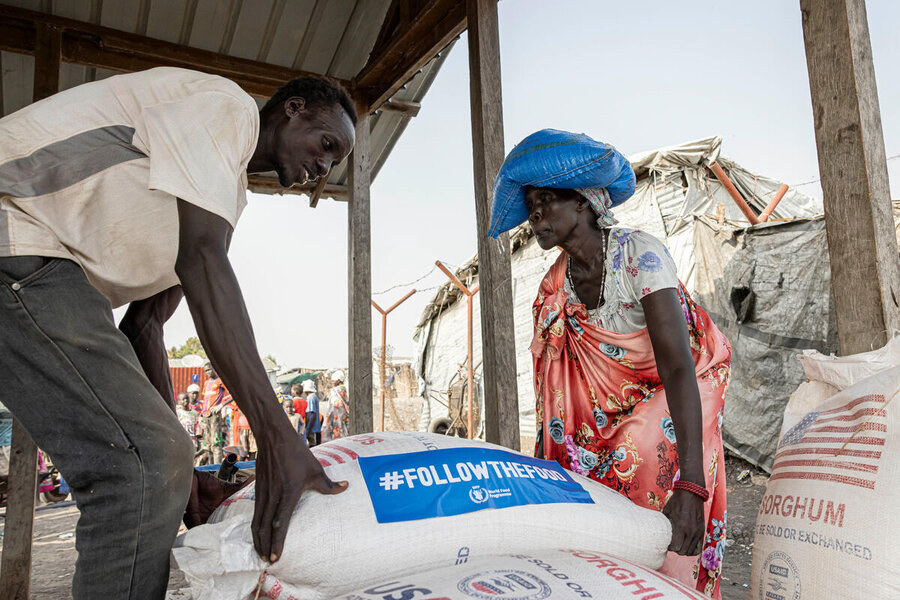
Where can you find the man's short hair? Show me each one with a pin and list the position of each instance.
(319, 92)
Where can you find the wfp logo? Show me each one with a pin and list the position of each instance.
(478, 494)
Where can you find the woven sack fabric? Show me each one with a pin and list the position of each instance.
(826, 527)
(564, 574)
(336, 545)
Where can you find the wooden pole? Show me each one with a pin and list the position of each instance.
(865, 270)
(470, 368)
(732, 191)
(15, 566)
(383, 352)
(317, 191)
(359, 263)
(384, 314)
(501, 403)
(470, 365)
(765, 214)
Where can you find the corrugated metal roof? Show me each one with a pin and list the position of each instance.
(182, 377)
(330, 37)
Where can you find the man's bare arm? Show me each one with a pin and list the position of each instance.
(285, 467)
(143, 326)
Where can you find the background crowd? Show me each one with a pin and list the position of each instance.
(217, 426)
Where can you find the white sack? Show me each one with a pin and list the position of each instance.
(336, 545)
(828, 374)
(844, 371)
(558, 575)
(826, 526)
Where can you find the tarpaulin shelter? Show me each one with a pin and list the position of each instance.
(293, 378)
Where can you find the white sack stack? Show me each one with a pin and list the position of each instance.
(417, 502)
(826, 526)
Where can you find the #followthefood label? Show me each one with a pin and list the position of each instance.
(455, 481)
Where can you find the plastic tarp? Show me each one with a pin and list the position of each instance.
(769, 290)
(294, 378)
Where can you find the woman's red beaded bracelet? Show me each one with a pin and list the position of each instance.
(693, 488)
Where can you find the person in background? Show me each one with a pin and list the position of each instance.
(337, 420)
(242, 433)
(288, 406)
(313, 417)
(324, 407)
(5, 443)
(299, 400)
(187, 416)
(215, 396)
(214, 391)
(193, 393)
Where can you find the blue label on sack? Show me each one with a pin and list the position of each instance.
(455, 481)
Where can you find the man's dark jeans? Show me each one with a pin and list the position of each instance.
(74, 382)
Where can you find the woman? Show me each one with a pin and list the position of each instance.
(625, 363)
(337, 418)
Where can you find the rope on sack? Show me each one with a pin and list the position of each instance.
(259, 583)
(862, 425)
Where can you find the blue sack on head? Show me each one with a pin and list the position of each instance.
(556, 159)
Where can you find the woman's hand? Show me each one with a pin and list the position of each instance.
(685, 512)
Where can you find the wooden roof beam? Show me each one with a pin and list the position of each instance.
(414, 39)
(407, 108)
(262, 184)
(106, 48)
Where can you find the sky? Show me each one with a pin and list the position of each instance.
(639, 77)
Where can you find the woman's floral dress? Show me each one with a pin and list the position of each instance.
(337, 421)
(601, 407)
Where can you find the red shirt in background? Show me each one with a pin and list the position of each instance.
(300, 406)
(215, 393)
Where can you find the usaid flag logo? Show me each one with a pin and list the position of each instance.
(478, 494)
(508, 584)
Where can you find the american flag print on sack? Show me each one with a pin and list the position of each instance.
(842, 445)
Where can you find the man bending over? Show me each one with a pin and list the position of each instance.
(127, 190)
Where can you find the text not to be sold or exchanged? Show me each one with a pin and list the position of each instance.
(454, 481)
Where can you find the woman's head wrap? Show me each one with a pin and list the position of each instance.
(558, 159)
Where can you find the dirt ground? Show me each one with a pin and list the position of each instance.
(400, 414)
(54, 541)
(743, 502)
(53, 554)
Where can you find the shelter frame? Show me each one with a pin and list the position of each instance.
(865, 269)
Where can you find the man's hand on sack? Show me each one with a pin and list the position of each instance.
(285, 469)
(685, 512)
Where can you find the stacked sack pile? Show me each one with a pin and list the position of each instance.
(825, 527)
(431, 516)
